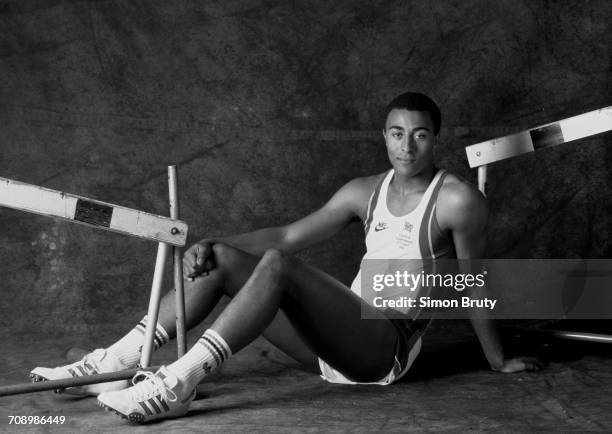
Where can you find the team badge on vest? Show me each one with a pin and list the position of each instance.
(404, 237)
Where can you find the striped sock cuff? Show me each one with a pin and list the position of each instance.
(217, 346)
(161, 336)
(216, 337)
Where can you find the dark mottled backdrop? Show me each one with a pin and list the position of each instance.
(268, 107)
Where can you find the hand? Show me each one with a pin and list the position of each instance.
(198, 259)
(519, 364)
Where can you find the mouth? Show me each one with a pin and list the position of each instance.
(406, 160)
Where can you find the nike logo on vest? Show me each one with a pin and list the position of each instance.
(380, 227)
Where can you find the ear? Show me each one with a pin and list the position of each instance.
(384, 133)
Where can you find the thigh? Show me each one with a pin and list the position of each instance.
(233, 267)
(324, 316)
(328, 315)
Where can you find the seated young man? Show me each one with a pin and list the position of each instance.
(300, 309)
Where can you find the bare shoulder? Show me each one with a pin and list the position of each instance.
(365, 184)
(460, 203)
(357, 192)
(457, 191)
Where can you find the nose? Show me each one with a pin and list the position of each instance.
(408, 144)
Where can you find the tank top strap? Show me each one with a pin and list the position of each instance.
(426, 235)
(433, 188)
(373, 202)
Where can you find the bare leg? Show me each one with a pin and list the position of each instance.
(301, 310)
(322, 310)
(203, 294)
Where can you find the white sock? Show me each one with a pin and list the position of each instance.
(129, 348)
(206, 355)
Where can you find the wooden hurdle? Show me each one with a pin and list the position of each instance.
(170, 233)
(577, 127)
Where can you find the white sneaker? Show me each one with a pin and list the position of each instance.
(99, 361)
(159, 395)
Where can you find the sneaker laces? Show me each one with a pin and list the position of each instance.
(91, 362)
(150, 385)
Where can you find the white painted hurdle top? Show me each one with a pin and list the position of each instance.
(552, 134)
(94, 213)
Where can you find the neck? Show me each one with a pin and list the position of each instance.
(408, 184)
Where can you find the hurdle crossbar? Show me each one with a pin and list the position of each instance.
(90, 212)
(544, 136)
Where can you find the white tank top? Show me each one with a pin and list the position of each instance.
(415, 235)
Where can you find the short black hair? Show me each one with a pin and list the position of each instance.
(418, 102)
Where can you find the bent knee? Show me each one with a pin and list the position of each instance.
(230, 258)
(224, 253)
(276, 258)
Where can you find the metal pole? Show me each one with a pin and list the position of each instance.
(181, 339)
(16, 389)
(156, 287)
(482, 179)
(581, 336)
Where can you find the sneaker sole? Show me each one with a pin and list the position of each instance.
(137, 418)
(132, 417)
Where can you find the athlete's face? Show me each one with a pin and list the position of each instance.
(409, 136)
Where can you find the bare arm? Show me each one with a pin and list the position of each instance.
(463, 210)
(346, 205)
(338, 212)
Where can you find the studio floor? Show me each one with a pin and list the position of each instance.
(261, 390)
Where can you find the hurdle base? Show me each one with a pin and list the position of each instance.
(561, 334)
(40, 386)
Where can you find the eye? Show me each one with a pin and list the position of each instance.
(421, 136)
(397, 135)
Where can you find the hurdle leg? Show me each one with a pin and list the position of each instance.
(482, 179)
(581, 336)
(154, 300)
(181, 341)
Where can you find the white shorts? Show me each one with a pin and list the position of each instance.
(333, 376)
